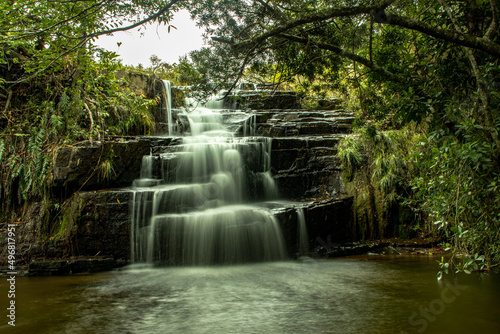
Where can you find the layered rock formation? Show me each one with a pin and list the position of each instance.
(95, 219)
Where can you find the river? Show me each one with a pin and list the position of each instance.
(349, 295)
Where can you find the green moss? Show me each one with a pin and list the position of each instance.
(69, 218)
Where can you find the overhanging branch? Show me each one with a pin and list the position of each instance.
(478, 43)
(449, 35)
(341, 52)
(134, 25)
(316, 17)
(82, 13)
(81, 41)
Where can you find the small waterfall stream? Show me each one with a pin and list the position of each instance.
(303, 243)
(203, 209)
(168, 101)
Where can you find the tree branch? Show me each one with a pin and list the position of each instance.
(341, 52)
(481, 85)
(449, 35)
(335, 12)
(7, 104)
(277, 14)
(77, 46)
(371, 39)
(132, 26)
(84, 39)
(494, 24)
(34, 33)
(247, 59)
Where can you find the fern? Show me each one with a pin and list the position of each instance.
(65, 103)
(106, 170)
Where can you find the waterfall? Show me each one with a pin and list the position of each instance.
(249, 126)
(215, 101)
(168, 101)
(223, 235)
(147, 167)
(203, 209)
(205, 121)
(302, 236)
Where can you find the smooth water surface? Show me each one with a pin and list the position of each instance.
(353, 295)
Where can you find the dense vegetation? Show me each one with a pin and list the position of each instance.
(422, 76)
(57, 87)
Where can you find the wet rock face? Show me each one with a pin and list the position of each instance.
(86, 168)
(93, 225)
(97, 224)
(257, 99)
(263, 99)
(329, 223)
(304, 160)
(306, 167)
(27, 234)
(293, 123)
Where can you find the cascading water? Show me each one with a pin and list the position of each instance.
(168, 101)
(303, 238)
(197, 212)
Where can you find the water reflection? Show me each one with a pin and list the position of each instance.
(387, 295)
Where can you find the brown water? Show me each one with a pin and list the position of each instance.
(353, 295)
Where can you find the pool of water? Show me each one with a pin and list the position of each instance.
(350, 295)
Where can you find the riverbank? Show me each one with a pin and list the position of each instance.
(326, 249)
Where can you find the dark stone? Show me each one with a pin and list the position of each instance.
(308, 184)
(306, 167)
(290, 123)
(98, 223)
(331, 221)
(331, 249)
(287, 217)
(304, 142)
(328, 223)
(91, 224)
(284, 160)
(78, 168)
(266, 99)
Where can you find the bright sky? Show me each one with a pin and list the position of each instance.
(168, 47)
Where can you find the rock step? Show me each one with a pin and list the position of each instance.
(295, 129)
(293, 123)
(264, 116)
(300, 166)
(77, 168)
(98, 224)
